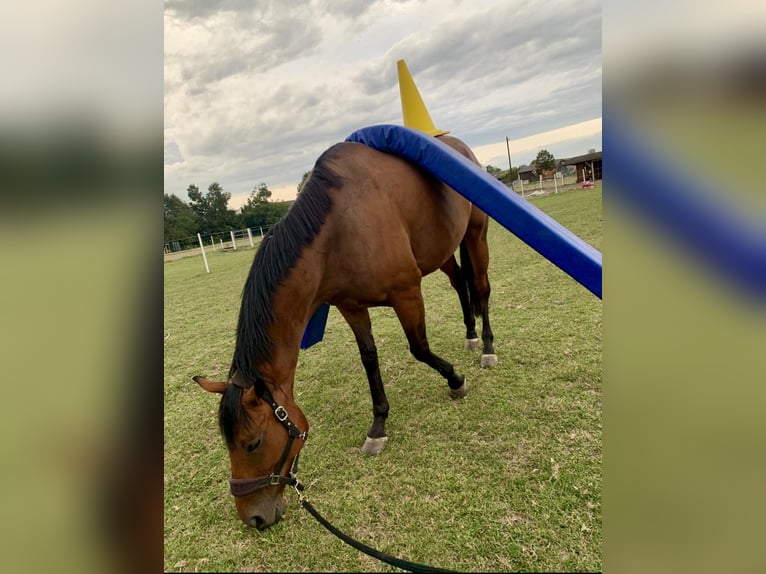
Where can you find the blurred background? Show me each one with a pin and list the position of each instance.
(684, 286)
(80, 228)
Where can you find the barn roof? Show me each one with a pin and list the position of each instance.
(582, 158)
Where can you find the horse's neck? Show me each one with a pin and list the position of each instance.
(293, 304)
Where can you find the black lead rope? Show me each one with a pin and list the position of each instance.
(382, 556)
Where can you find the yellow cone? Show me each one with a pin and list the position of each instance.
(414, 111)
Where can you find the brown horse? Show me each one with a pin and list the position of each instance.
(365, 229)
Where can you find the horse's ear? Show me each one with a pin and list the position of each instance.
(210, 386)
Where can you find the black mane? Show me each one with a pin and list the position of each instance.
(277, 254)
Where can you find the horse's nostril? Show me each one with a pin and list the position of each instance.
(258, 522)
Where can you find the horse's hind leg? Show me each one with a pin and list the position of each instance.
(475, 246)
(458, 281)
(411, 313)
(359, 321)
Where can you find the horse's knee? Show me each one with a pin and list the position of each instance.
(369, 356)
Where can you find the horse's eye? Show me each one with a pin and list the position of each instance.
(253, 445)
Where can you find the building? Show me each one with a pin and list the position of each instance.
(528, 173)
(588, 166)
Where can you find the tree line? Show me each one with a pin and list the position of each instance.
(209, 213)
(543, 161)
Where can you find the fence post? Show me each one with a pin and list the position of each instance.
(204, 257)
(555, 183)
(521, 181)
(540, 186)
(250, 236)
(221, 240)
(212, 242)
(233, 241)
(261, 228)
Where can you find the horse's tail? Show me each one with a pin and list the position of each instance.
(470, 278)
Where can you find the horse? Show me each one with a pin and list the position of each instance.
(363, 232)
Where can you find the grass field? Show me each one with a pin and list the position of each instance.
(507, 479)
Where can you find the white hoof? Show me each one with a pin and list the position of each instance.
(488, 361)
(460, 392)
(373, 446)
(472, 344)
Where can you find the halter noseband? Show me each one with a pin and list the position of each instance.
(245, 486)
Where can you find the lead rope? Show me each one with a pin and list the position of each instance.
(382, 556)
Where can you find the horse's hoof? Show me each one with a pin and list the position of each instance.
(472, 344)
(488, 361)
(374, 446)
(459, 392)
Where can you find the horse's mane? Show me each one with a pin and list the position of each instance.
(277, 254)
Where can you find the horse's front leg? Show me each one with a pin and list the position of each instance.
(359, 321)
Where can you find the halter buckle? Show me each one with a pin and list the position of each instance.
(275, 479)
(280, 413)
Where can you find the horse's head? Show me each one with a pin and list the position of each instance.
(264, 437)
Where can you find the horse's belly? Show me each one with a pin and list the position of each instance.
(435, 235)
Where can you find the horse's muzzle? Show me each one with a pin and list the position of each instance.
(265, 514)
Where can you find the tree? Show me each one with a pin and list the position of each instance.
(592, 150)
(545, 160)
(260, 194)
(198, 203)
(304, 179)
(503, 175)
(212, 208)
(258, 211)
(180, 218)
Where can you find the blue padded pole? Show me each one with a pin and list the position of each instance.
(537, 229)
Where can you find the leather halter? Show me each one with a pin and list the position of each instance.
(245, 486)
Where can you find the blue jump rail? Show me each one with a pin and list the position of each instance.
(534, 227)
(537, 229)
(688, 211)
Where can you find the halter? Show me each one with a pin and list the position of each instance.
(245, 486)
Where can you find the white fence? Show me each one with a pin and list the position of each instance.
(543, 185)
(221, 241)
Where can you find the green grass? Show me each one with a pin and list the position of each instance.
(508, 478)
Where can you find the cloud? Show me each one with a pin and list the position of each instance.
(257, 93)
(204, 9)
(172, 153)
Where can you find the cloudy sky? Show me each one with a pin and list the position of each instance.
(255, 90)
